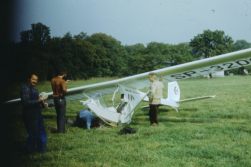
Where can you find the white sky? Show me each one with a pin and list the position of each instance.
(138, 21)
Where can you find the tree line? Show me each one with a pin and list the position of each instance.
(98, 55)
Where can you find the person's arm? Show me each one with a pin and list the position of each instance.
(153, 90)
(64, 87)
(43, 98)
(150, 93)
(44, 104)
(52, 85)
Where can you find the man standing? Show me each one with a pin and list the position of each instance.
(58, 84)
(155, 94)
(32, 107)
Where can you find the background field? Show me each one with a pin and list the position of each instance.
(213, 132)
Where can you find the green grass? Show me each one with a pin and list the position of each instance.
(212, 132)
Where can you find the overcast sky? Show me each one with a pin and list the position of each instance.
(138, 21)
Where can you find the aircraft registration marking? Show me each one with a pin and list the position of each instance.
(211, 69)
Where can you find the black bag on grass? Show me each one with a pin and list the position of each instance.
(127, 130)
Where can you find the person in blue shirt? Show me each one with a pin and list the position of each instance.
(32, 105)
(86, 119)
(87, 116)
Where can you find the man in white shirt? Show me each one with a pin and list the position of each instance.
(154, 95)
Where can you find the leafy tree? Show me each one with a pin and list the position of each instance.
(110, 55)
(154, 56)
(211, 43)
(135, 58)
(86, 56)
(142, 59)
(135, 49)
(31, 51)
(156, 48)
(177, 54)
(81, 36)
(241, 44)
(39, 35)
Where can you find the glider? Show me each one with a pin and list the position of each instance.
(134, 88)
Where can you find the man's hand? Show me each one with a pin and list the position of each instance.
(43, 102)
(46, 105)
(43, 96)
(40, 99)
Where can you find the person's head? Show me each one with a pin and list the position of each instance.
(152, 76)
(62, 73)
(33, 79)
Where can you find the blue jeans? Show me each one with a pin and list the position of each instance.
(87, 116)
(34, 124)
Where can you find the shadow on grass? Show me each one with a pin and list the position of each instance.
(53, 117)
(182, 120)
(188, 109)
(168, 109)
(161, 109)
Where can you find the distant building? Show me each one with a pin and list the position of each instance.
(218, 74)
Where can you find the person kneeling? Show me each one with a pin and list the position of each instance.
(86, 119)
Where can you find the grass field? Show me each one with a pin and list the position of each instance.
(208, 133)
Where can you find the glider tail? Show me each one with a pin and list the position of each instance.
(173, 91)
(173, 96)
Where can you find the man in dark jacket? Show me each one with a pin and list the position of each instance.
(32, 107)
